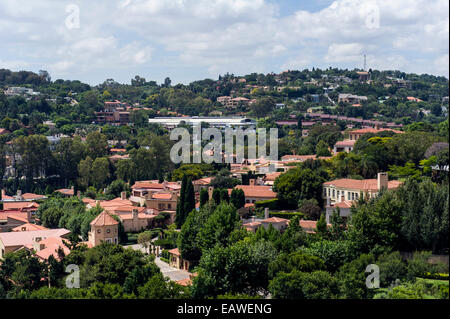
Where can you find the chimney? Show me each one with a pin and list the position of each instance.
(72, 188)
(79, 194)
(123, 195)
(252, 182)
(135, 212)
(266, 212)
(19, 193)
(382, 181)
(210, 191)
(3, 193)
(29, 215)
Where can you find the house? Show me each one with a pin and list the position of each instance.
(279, 224)
(12, 241)
(163, 200)
(351, 189)
(254, 193)
(143, 189)
(9, 220)
(136, 222)
(413, 99)
(50, 246)
(356, 134)
(66, 191)
(176, 261)
(201, 183)
(364, 76)
(351, 98)
(344, 208)
(270, 178)
(104, 228)
(114, 113)
(29, 227)
(344, 146)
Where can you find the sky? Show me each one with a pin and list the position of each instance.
(190, 40)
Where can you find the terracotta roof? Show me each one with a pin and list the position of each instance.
(344, 204)
(29, 227)
(374, 130)
(308, 224)
(148, 185)
(175, 252)
(20, 205)
(26, 237)
(203, 181)
(65, 191)
(256, 191)
(140, 216)
(275, 220)
(272, 176)
(104, 219)
(52, 245)
(17, 215)
(166, 196)
(31, 196)
(364, 184)
(185, 282)
(346, 143)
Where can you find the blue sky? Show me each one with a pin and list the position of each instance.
(195, 39)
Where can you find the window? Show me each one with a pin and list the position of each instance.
(333, 192)
(99, 231)
(108, 230)
(169, 206)
(348, 195)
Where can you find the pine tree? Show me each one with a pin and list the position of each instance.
(321, 226)
(180, 212)
(216, 196)
(189, 200)
(204, 197)
(224, 197)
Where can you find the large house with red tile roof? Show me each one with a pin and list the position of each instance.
(29, 227)
(351, 188)
(356, 134)
(12, 241)
(9, 219)
(104, 228)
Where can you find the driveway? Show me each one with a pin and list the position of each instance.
(168, 271)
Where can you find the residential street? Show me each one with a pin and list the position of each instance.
(173, 273)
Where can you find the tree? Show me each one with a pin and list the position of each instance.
(298, 184)
(237, 198)
(85, 172)
(219, 225)
(321, 226)
(216, 196)
(322, 149)
(96, 144)
(224, 197)
(262, 106)
(204, 197)
(100, 172)
(310, 208)
(288, 262)
(301, 285)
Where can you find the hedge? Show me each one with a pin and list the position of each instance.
(270, 203)
(438, 276)
(286, 215)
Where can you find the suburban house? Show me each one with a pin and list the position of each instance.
(66, 191)
(202, 183)
(350, 98)
(137, 221)
(254, 193)
(50, 247)
(12, 241)
(12, 219)
(141, 190)
(163, 200)
(356, 134)
(344, 146)
(114, 113)
(347, 189)
(176, 261)
(104, 228)
(29, 227)
(344, 206)
(279, 224)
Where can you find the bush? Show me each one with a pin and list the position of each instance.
(287, 215)
(270, 203)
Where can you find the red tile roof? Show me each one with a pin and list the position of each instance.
(364, 184)
(29, 227)
(52, 245)
(275, 220)
(374, 130)
(256, 191)
(104, 219)
(175, 252)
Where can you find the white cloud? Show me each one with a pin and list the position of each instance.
(216, 36)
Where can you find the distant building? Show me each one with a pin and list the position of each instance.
(344, 146)
(351, 99)
(114, 113)
(217, 122)
(104, 228)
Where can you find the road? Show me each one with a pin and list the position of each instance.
(168, 271)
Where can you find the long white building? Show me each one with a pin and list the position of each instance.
(218, 122)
